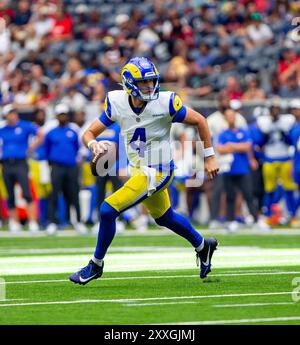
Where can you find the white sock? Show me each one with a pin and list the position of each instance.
(199, 248)
(98, 262)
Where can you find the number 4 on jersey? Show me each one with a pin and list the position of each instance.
(138, 141)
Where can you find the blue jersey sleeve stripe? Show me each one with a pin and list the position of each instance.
(105, 119)
(180, 115)
(172, 110)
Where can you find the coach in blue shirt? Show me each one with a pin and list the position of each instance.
(15, 135)
(62, 146)
(235, 143)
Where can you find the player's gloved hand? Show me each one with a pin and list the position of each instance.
(100, 147)
(211, 167)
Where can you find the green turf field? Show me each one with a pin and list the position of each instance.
(151, 279)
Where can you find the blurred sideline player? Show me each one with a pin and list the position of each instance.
(145, 116)
(40, 171)
(295, 138)
(277, 166)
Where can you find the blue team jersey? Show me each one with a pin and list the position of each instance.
(62, 145)
(15, 139)
(257, 139)
(40, 153)
(240, 164)
(295, 138)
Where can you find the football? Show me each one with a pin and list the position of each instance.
(102, 163)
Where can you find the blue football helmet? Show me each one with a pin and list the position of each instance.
(137, 69)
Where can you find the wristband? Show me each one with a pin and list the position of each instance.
(209, 151)
(90, 143)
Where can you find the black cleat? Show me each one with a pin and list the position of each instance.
(205, 255)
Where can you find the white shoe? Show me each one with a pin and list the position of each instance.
(80, 228)
(14, 227)
(95, 228)
(33, 227)
(262, 225)
(214, 224)
(51, 229)
(249, 220)
(233, 227)
(120, 227)
(141, 223)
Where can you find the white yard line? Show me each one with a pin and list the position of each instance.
(221, 322)
(130, 249)
(250, 304)
(158, 303)
(148, 261)
(215, 306)
(132, 266)
(258, 273)
(148, 299)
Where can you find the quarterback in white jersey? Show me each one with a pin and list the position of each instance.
(145, 116)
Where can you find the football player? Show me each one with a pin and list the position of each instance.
(277, 166)
(145, 116)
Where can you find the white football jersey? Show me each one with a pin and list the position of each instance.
(276, 147)
(146, 135)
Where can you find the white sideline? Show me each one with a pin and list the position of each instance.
(221, 322)
(158, 303)
(148, 299)
(253, 273)
(215, 306)
(251, 304)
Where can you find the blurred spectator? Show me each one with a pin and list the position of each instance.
(232, 88)
(288, 65)
(62, 27)
(23, 13)
(74, 72)
(204, 60)
(74, 99)
(258, 32)
(93, 28)
(54, 68)
(253, 92)
(224, 61)
(291, 89)
(274, 87)
(62, 146)
(5, 39)
(5, 11)
(80, 21)
(41, 22)
(202, 21)
(178, 67)
(176, 28)
(230, 20)
(25, 97)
